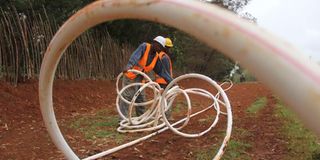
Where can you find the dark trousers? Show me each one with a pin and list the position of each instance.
(128, 95)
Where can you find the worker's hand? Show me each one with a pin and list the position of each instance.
(124, 71)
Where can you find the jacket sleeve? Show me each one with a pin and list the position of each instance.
(163, 69)
(166, 64)
(136, 56)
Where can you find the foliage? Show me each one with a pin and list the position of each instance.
(248, 76)
(256, 106)
(136, 31)
(239, 74)
(248, 17)
(233, 5)
(236, 148)
(302, 143)
(194, 56)
(188, 54)
(236, 6)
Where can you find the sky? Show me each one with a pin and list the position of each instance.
(296, 21)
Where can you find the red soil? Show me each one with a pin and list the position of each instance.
(23, 135)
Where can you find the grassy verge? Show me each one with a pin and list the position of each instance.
(302, 144)
(236, 148)
(98, 126)
(257, 105)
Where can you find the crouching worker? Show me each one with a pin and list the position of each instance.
(145, 58)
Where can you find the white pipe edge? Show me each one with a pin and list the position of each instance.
(277, 64)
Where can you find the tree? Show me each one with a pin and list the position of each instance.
(189, 55)
(235, 6)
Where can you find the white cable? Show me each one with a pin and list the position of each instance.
(154, 117)
(237, 38)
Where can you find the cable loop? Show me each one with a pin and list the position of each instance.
(155, 118)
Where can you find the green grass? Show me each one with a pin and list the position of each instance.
(236, 148)
(257, 105)
(98, 126)
(302, 144)
(178, 107)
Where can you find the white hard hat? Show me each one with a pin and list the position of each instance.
(160, 40)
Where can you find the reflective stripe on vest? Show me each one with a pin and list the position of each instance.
(143, 63)
(159, 79)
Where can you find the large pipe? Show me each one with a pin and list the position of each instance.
(277, 64)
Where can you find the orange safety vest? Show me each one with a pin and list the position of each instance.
(143, 63)
(159, 79)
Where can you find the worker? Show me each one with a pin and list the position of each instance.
(145, 58)
(166, 61)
